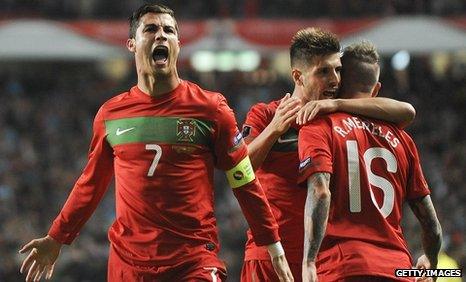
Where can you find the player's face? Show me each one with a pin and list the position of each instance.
(321, 79)
(156, 45)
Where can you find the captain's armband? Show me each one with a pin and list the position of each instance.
(241, 174)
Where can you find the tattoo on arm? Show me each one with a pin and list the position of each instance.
(424, 210)
(316, 214)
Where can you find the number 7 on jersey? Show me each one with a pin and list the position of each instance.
(157, 156)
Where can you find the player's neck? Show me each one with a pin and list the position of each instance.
(158, 85)
(297, 93)
(357, 95)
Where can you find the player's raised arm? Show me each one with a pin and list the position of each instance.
(232, 156)
(424, 210)
(400, 113)
(260, 145)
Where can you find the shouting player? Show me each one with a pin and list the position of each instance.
(272, 137)
(359, 171)
(162, 140)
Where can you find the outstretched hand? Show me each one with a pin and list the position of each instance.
(43, 252)
(313, 108)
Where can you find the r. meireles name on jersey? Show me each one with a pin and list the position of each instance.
(352, 123)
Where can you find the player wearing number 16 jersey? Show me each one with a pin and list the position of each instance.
(374, 168)
(271, 133)
(162, 140)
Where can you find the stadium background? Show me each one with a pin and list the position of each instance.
(60, 60)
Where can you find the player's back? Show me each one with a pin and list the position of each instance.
(369, 180)
(374, 166)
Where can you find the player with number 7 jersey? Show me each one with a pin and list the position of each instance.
(164, 151)
(162, 139)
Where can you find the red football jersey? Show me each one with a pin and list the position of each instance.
(375, 168)
(163, 151)
(278, 176)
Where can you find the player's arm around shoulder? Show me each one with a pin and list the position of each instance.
(400, 113)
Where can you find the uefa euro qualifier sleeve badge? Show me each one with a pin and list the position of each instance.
(186, 130)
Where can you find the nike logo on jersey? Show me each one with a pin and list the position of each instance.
(281, 141)
(123, 131)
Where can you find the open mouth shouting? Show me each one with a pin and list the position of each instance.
(160, 55)
(330, 93)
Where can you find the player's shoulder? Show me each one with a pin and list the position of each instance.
(330, 118)
(263, 109)
(321, 123)
(405, 136)
(263, 106)
(211, 105)
(343, 118)
(337, 116)
(204, 95)
(113, 102)
(117, 99)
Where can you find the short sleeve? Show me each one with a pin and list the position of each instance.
(315, 149)
(230, 148)
(417, 186)
(256, 121)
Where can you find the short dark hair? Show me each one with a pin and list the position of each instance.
(311, 42)
(148, 8)
(360, 66)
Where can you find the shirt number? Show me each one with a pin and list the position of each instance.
(157, 156)
(354, 183)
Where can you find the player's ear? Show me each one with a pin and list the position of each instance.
(296, 75)
(376, 89)
(131, 45)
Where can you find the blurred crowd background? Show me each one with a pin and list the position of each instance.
(73, 9)
(47, 108)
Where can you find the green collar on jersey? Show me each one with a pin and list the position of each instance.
(169, 130)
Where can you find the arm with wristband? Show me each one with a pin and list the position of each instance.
(232, 157)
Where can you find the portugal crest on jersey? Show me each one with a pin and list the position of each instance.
(186, 129)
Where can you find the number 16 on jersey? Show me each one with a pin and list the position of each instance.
(354, 177)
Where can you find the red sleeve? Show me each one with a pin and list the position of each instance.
(256, 122)
(417, 186)
(88, 190)
(230, 149)
(315, 149)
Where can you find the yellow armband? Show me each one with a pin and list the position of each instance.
(241, 174)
